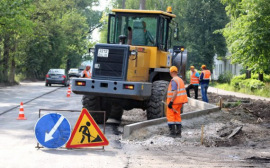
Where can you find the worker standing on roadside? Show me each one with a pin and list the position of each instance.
(87, 72)
(194, 82)
(176, 97)
(204, 80)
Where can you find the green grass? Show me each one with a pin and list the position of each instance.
(264, 92)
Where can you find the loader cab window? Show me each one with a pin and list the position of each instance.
(139, 30)
(163, 31)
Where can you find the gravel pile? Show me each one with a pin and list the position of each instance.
(137, 115)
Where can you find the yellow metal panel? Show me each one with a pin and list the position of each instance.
(144, 11)
(164, 58)
(151, 57)
(138, 68)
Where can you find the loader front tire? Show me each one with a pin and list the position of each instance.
(93, 103)
(155, 107)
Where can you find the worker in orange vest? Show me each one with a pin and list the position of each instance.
(194, 82)
(176, 97)
(87, 72)
(205, 78)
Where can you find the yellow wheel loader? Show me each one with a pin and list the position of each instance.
(132, 69)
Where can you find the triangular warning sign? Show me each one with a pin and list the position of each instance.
(86, 133)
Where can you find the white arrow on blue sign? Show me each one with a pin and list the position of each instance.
(52, 130)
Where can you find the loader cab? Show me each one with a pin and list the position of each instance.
(141, 28)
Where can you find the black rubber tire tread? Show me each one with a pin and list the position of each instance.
(155, 107)
(116, 112)
(93, 103)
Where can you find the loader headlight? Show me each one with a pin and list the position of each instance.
(133, 53)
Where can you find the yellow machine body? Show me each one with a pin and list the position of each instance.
(150, 57)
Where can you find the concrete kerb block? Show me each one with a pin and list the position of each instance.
(205, 109)
(128, 129)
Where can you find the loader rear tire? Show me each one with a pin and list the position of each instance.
(155, 107)
(93, 103)
(116, 112)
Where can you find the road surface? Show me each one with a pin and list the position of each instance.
(17, 139)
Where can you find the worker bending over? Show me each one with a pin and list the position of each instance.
(87, 72)
(204, 80)
(194, 82)
(176, 97)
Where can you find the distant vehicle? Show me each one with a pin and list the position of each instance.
(74, 72)
(81, 68)
(56, 76)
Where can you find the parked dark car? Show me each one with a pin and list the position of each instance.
(56, 76)
(74, 72)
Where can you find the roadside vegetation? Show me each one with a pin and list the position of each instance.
(36, 35)
(240, 84)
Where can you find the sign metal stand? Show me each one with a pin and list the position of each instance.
(104, 124)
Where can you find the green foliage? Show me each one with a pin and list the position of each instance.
(36, 35)
(225, 77)
(251, 84)
(264, 92)
(266, 78)
(247, 34)
(243, 71)
(241, 79)
(235, 82)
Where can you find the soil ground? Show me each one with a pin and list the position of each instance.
(249, 147)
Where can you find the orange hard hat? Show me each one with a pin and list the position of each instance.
(173, 69)
(203, 66)
(192, 67)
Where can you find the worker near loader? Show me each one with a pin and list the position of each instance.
(194, 82)
(87, 72)
(205, 78)
(176, 97)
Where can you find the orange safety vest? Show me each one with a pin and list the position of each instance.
(86, 74)
(181, 97)
(194, 79)
(206, 74)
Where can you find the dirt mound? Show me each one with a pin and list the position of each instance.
(259, 108)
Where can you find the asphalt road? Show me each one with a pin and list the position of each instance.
(17, 139)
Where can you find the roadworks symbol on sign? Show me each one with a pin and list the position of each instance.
(86, 133)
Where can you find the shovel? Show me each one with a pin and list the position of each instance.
(167, 105)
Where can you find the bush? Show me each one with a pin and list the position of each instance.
(236, 80)
(251, 84)
(266, 78)
(225, 77)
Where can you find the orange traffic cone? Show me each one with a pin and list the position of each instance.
(68, 92)
(21, 113)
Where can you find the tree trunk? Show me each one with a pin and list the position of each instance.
(248, 73)
(6, 57)
(260, 77)
(12, 57)
(142, 4)
(124, 4)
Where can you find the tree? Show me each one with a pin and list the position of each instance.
(36, 35)
(247, 34)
